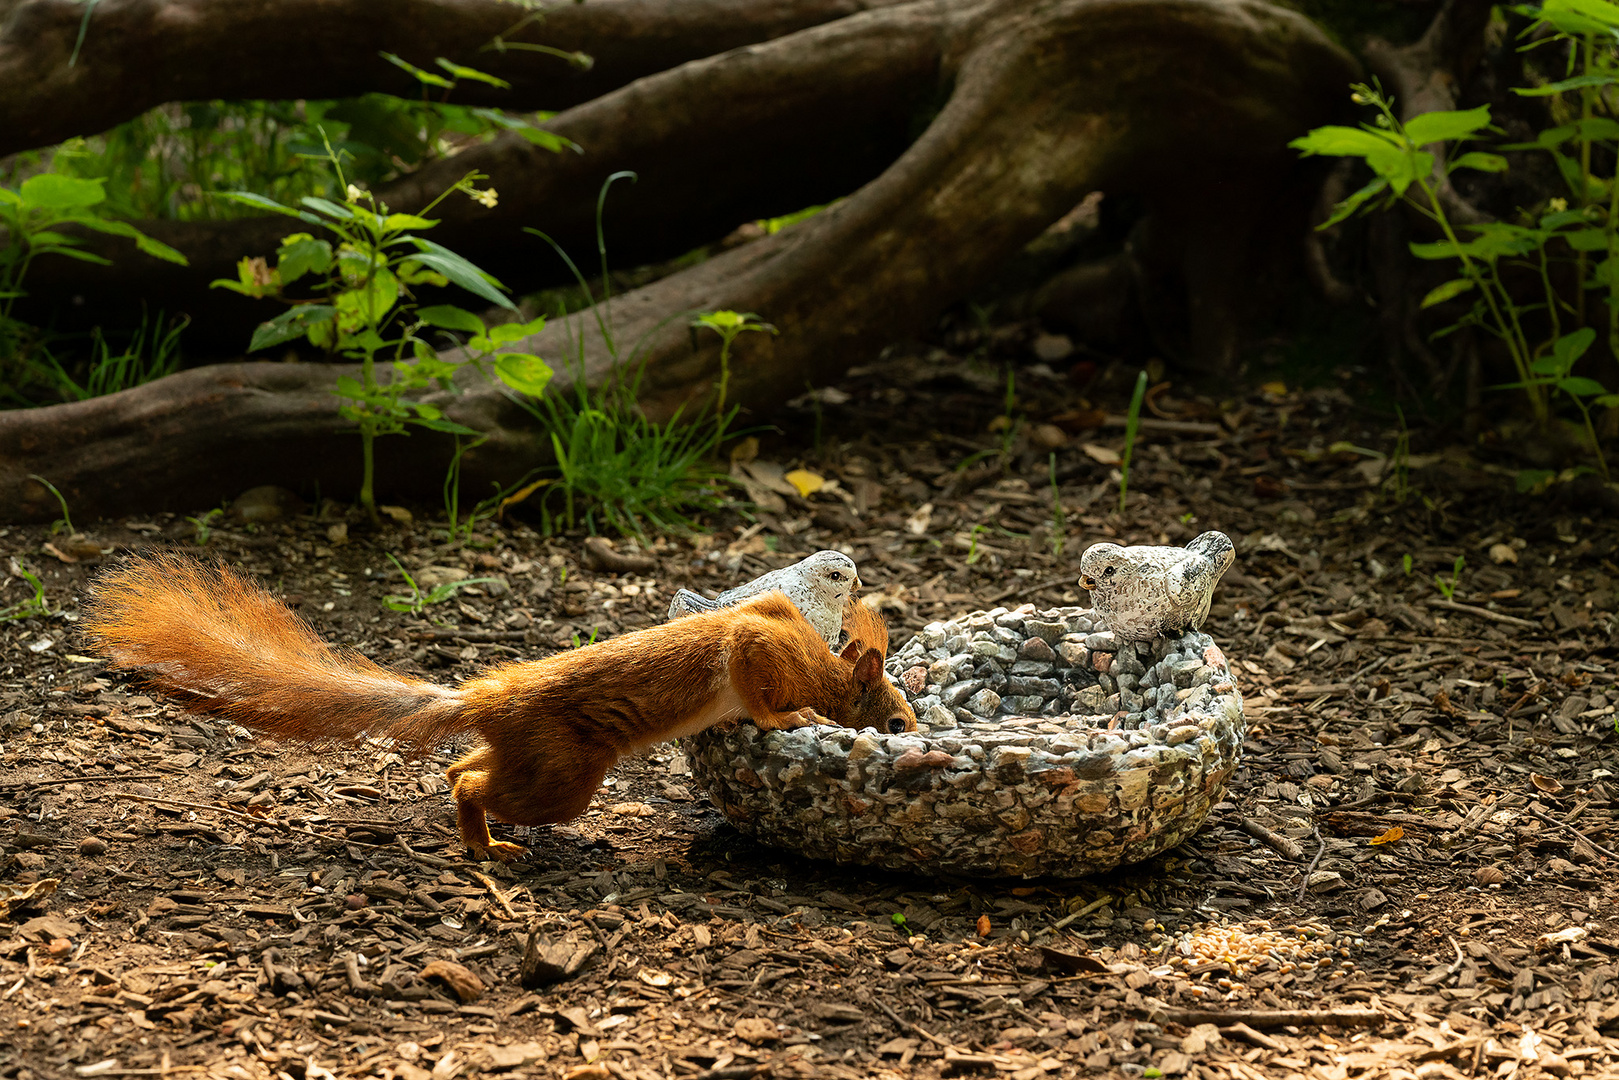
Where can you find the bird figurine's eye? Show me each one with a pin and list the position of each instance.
(1108, 572)
(837, 575)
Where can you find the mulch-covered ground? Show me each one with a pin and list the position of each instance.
(1413, 873)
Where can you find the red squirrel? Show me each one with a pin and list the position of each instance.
(551, 728)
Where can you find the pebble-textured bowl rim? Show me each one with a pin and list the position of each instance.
(1038, 797)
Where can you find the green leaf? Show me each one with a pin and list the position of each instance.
(1439, 249)
(1446, 126)
(1587, 239)
(155, 248)
(550, 140)
(507, 333)
(302, 254)
(426, 77)
(350, 387)
(1338, 141)
(1481, 161)
(451, 317)
(1557, 219)
(1354, 202)
(1570, 347)
(53, 191)
(290, 325)
(1608, 401)
(1563, 85)
(461, 72)
(395, 222)
(74, 253)
(449, 427)
(1446, 291)
(524, 373)
(1579, 386)
(248, 198)
(462, 272)
(326, 206)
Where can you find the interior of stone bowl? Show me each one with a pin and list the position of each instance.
(1046, 746)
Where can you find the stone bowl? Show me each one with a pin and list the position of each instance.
(1046, 747)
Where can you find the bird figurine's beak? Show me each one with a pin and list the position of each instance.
(1086, 582)
(857, 586)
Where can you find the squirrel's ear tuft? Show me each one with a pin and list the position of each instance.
(869, 668)
(851, 652)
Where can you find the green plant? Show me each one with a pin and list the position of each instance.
(452, 491)
(203, 525)
(34, 605)
(1448, 588)
(1400, 460)
(728, 325)
(973, 554)
(1059, 519)
(1132, 421)
(1545, 348)
(900, 924)
(1406, 562)
(153, 351)
(360, 305)
(594, 631)
(32, 217)
(419, 599)
(65, 522)
(616, 467)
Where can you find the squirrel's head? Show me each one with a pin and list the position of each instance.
(873, 700)
(832, 577)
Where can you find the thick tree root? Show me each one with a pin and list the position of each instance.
(1189, 103)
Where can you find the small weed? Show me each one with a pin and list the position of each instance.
(728, 325)
(418, 600)
(34, 605)
(1059, 519)
(452, 493)
(65, 522)
(898, 919)
(1406, 562)
(1400, 460)
(1449, 587)
(1132, 421)
(973, 554)
(594, 631)
(203, 525)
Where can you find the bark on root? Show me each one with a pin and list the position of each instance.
(1183, 101)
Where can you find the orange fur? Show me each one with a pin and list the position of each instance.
(864, 624)
(551, 728)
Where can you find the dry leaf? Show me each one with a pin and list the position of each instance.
(1545, 783)
(984, 927)
(655, 978)
(1388, 837)
(806, 482)
(917, 523)
(398, 513)
(1277, 388)
(1101, 454)
(1489, 875)
(746, 450)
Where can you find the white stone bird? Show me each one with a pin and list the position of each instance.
(819, 586)
(1145, 592)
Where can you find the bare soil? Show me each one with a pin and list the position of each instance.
(1413, 873)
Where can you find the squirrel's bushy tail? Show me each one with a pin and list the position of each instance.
(212, 637)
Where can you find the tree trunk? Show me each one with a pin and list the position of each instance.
(1189, 103)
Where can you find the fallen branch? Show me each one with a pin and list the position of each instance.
(1484, 613)
(1266, 1018)
(1284, 846)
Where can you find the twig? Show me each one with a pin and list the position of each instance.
(1484, 613)
(1284, 846)
(919, 1029)
(1592, 844)
(500, 899)
(1268, 1018)
(93, 779)
(1304, 886)
(1258, 1038)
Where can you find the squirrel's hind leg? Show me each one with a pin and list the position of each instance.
(469, 779)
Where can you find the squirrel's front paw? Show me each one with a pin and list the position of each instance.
(806, 716)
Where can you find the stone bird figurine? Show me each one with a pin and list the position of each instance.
(819, 586)
(1146, 591)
